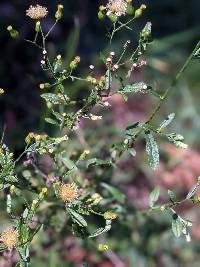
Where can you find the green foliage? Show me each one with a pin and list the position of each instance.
(44, 196)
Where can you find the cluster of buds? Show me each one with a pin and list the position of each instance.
(110, 215)
(37, 137)
(74, 63)
(91, 80)
(44, 86)
(59, 12)
(94, 200)
(102, 81)
(13, 33)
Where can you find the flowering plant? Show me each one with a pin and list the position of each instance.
(64, 187)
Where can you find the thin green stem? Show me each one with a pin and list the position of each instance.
(113, 32)
(52, 27)
(33, 43)
(168, 90)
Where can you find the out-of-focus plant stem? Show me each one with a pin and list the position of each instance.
(167, 91)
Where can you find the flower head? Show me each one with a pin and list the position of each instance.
(9, 238)
(117, 7)
(37, 12)
(68, 192)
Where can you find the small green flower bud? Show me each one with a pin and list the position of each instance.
(139, 11)
(130, 9)
(103, 247)
(37, 26)
(113, 17)
(101, 15)
(44, 86)
(13, 33)
(59, 12)
(49, 105)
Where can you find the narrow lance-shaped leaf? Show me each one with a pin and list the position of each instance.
(167, 121)
(153, 197)
(152, 150)
(101, 230)
(135, 88)
(177, 225)
(116, 194)
(76, 217)
(108, 79)
(51, 121)
(177, 139)
(192, 191)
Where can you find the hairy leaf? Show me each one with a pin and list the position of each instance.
(154, 195)
(152, 150)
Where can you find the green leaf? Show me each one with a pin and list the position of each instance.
(98, 162)
(176, 139)
(116, 194)
(133, 126)
(153, 197)
(108, 79)
(55, 99)
(135, 88)
(177, 225)
(172, 196)
(100, 231)
(132, 151)
(51, 121)
(192, 191)
(68, 162)
(152, 150)
(167, 121)
(76, 217)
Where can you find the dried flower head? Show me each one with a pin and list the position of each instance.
(117, 7)
(68, 192)
(37, 12)
(9, 238)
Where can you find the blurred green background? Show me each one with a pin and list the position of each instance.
(143, 240)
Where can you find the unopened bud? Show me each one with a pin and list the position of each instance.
(13, 33)
(139, 11)
(59, 12)
(37, 26)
